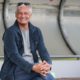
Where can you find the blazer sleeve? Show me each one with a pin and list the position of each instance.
(42, 49)
(13, 53)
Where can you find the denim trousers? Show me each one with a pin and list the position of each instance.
(22, 75)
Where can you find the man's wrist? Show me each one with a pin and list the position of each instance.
(34, 66)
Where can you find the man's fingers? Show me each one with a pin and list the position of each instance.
(44, 73)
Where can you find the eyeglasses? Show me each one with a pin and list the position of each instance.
(26, 3)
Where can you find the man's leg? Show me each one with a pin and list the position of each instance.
(19, 74)
(48, 77)
(37, 78)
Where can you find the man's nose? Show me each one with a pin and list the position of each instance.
(25, 15)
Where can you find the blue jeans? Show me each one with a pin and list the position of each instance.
(22, 75)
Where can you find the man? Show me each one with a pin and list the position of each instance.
(21, 43)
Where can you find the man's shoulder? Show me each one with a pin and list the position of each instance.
(11, 29)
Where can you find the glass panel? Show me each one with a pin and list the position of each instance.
(71, 23)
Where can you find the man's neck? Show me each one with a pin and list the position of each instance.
(23, 27)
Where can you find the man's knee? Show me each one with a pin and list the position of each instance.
(49, 77)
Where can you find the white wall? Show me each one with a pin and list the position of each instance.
(66, 68)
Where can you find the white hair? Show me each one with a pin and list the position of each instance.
(30, 8)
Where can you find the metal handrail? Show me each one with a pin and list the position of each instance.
(58, 56)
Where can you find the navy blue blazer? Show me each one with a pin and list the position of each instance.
(13, 50)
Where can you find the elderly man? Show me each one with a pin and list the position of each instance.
(21, 43)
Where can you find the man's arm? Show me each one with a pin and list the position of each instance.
(13, 53)
(42, 49)
(44, 67)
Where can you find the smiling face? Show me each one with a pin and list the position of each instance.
(23, 14)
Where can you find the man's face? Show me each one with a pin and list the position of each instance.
(23, 14)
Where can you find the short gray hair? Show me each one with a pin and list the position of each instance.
(24, 3)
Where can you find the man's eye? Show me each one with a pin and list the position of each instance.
(26, 13)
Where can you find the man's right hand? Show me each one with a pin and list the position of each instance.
(38, 68)
(41, 68)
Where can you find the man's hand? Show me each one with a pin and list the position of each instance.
(46, 67)
(42, 68)
(38, 68)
